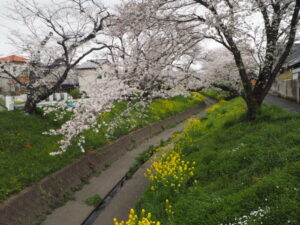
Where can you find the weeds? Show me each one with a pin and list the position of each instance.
(93, 200)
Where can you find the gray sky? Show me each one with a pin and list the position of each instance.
(5, 24)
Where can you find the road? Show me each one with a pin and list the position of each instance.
(286, 104)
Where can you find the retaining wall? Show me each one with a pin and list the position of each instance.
(29, 205)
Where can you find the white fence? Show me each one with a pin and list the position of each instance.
(12, 102)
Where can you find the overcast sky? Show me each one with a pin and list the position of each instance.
(5, 24)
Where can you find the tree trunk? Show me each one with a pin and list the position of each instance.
(30, 105)
(253, 108)
(34, 97)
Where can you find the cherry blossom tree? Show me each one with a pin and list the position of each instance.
(265, 29)
(150, 59)
(59, 36)
(220, 71)
(154, 54)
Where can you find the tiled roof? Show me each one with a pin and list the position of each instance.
(87, 65)
(14, 58)
(71, 81)
(21, 79)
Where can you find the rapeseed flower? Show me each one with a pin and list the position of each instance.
(197, 96)
(134, 219)
(170, 171)
(169, 208)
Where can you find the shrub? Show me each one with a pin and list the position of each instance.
(75, 93)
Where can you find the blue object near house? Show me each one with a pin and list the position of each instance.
(71, 105)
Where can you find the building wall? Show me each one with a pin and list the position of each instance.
(6, 86)
(3, 84)
(288, 89)
(88, 77)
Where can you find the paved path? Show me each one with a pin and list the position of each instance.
(286, 104)
(127, 197)
(75, 212)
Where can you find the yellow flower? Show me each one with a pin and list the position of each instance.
(168, 208)
(171, 170)
(197, 96)
(133, 219)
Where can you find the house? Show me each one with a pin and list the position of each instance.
(91, 72)
(16, 65)
(291, 68)
(294, 62)
(70, 83)
(287, 84)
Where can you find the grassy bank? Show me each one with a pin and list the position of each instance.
(216, 93)
(245, 172)
(24, 150)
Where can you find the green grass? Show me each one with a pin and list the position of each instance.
(24, 150)
(218, 94)
(144, 157)
(140, 160)
(241, 167)
(93, 200)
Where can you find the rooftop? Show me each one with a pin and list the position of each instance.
(92, 64)
(14, 58)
